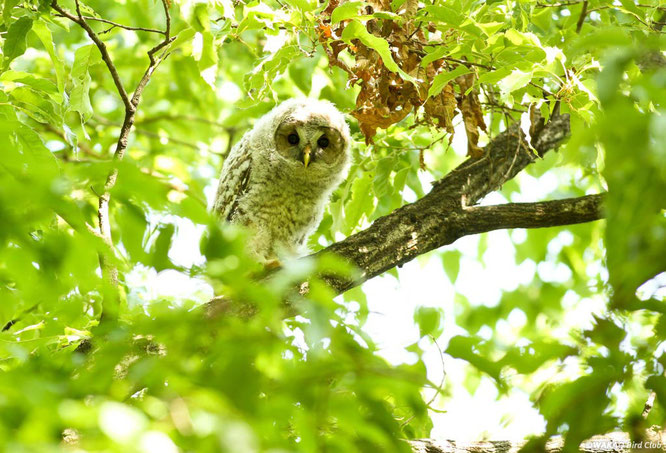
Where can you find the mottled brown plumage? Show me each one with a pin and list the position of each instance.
(278, 178)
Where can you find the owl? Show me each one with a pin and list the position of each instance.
(277, 179)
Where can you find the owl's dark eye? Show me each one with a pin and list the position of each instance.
(293, 138)
(323, 142)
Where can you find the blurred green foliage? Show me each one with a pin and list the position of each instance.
(163, 377)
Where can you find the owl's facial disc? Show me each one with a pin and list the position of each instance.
(312, 143)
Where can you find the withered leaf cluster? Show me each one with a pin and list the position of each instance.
(386, 97)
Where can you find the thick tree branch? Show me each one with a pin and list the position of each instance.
(445, 214)
(481, 219)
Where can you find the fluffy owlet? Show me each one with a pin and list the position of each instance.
(278, 178)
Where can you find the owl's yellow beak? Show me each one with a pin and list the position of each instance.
(306, 156)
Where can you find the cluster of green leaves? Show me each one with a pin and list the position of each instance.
(611, 81)
(162, 378)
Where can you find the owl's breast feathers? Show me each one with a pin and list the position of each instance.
(282, 207)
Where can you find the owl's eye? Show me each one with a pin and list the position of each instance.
(293, 138)
(323, 142)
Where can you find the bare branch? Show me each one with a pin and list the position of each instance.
(100, 45)
(126, 27)
(581, 18)
(130, 104)
(481, 219)
(150, 134)
(154, 119)
(115, 25)
(130, 112)
(649, 404)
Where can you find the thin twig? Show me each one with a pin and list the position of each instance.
(116, 24)
(578, 2)
(494, 105)
(126, 27)
(649, 404)
(84, 148)
(468, 63)
(130, 104)
(491, 68)
(441, 385)
(128, 122)
(598, 8)
(100, 45)
(198, 119)
(581, 19)
(150, 134)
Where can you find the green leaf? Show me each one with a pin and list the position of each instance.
(356, 30)
(430, 321)
(490, 28)
(451, 263)
(28, 156)
(443, 78)
(159, 253)
(303, 5)
(514, 81)
(468, 348)
(37, 83)
(84, 57)
(39, 107)
(44, 34)
(658, 385)
(7, 10)
(446, 14)
(347, 10)
(15, 40)
(382, 182)
(184, 36)
(361, 202)
(200, 19)
(528, 359)
(494, 76)
(436, 54)
(207, 61)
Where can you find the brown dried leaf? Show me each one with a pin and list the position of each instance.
(385, 98)
(472, 114)
(441, 109)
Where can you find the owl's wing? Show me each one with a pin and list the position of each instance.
(233, 181)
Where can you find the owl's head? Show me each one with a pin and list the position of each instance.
(313, 134)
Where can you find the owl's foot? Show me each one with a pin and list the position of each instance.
(272, 264)
(268, 267)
